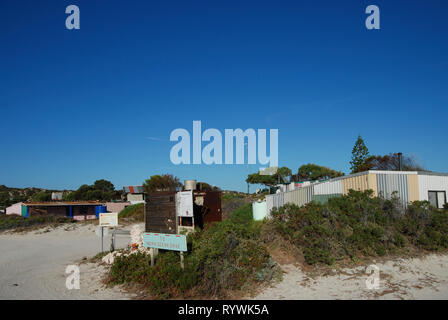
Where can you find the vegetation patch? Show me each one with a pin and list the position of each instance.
(15, 221)
(224, 257)
(360, 225)
(232, 200)
(134, 212)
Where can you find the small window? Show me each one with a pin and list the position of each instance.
(437, 198)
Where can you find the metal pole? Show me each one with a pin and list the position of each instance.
(400, 161)
(247, 165)
(102, 236)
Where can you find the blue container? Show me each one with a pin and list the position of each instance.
(100, 209)
(25, 211)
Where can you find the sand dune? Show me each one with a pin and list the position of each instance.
(32, 265)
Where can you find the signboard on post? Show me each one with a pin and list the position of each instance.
(185, 204)
(160, 212)
(109, 219)
(174, 242)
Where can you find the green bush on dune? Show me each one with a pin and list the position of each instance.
(225, 256)
(360, 224)
(232, 254)
(15, 221)
(134, 212)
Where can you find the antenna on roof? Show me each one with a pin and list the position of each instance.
(400, 161)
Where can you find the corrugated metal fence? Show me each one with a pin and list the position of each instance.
(384, 184)
(328, 187)
(387, 184)
(298, 197)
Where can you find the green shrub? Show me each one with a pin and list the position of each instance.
(360, 224)
(16, 221)
(227, 255)
(134, 212)
(166, 278)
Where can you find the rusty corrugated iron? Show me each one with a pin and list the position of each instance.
(160, 212)
(207, 207)
(134, 189)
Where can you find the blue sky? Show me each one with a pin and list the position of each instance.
(101, 102)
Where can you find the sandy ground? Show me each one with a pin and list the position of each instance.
(33, 264)
(415, 278)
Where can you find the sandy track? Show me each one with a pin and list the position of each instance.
(32, 265)
(416, 278)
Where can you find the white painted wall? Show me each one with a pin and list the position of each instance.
(16, 208)
(431, 183)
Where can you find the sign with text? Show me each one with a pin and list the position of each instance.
(185, 204)
(109, 219)
(175, 242)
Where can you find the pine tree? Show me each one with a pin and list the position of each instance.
(360, 154)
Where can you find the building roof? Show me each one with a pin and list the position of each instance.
(63, 203)
(380, 172)
(432, 173)
(134, 189)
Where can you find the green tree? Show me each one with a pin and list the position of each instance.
(282, 175)
(204, 186)
(70, 196)
(313, 171)
(101, 190)
(103, 185)
(165, 182)
(360, 156)
(42, 196)
(391, 162)
(5, 200)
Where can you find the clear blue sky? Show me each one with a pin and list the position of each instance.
(101, 102)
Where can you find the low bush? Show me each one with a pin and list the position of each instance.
(360, 224)
(16, 221)
(133, 212)
(224, 256)
(232, 201)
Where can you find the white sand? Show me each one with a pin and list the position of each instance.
(32, 265)
(416, 278)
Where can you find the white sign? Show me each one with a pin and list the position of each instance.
(185, 204)
(109, 219)
(176, 242)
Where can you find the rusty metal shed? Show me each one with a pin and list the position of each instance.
(160, 211)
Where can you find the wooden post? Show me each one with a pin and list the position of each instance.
(182, 260)
(112, 241)
(151, 253)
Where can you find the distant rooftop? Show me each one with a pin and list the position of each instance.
(63, 203)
